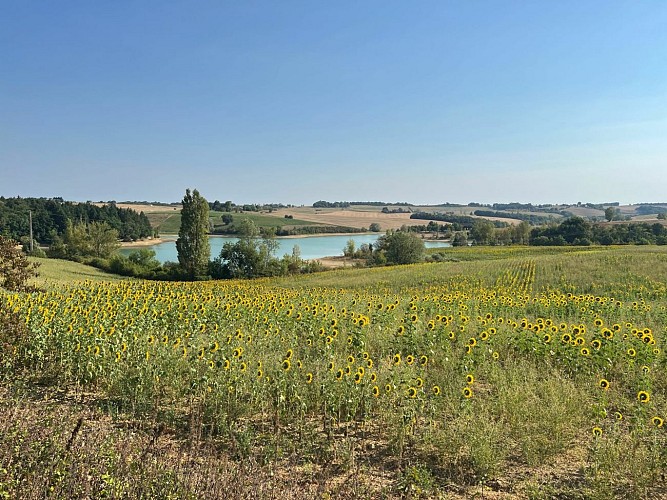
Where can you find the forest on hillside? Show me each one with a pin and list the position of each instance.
(50, 217)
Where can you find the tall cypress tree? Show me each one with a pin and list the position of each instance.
(193, 248)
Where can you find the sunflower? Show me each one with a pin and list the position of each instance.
(604, 383)
(412, 392)
(339, 374)
(657, 421)
(410, 359)
(287, 364)
(331, 366)
(597, 432)
(419, 382)
(436, 390)
(643, 397)
(376, 391)
(470, 379)
(631, 352)
(350, 359)
(495, 355)
(467, 392)
(357, 377)
(401, 330)
(618, 415)
(397, 359)
(388, 387)
(309, 378)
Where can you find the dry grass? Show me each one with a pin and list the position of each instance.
(360, 219)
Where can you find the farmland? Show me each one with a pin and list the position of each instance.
(502, 372)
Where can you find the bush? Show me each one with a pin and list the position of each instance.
(15, 269)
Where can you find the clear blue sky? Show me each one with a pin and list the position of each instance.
(296, 101)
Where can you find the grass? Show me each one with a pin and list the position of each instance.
(169, 223)
(478, 376)
(56, 272)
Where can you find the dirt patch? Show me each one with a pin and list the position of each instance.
(147, 242)
(339, 262)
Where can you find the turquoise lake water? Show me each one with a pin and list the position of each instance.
(312, 247)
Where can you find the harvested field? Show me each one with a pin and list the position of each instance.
(360, 219)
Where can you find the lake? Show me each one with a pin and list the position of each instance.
(312, 247)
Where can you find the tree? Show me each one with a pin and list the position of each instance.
(15, 269)
(662, 216)
(251, 256)
(375, 227)
(521, 233)
(103, 239)
(227, 219)
(349, 249)
(401, 247)
(193, 247)
(459, 239)
(482, 232)
(611, 213)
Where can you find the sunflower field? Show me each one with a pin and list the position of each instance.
(522, 373)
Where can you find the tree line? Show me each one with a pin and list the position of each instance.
(459, 222)
(574, 231)
(51, 217)
(533, 219)
(346, 204)
(578, 231)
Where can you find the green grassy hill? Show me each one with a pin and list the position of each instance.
(64, 272)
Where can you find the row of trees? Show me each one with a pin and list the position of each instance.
(578, 231)
(51, 217)
(572, 231)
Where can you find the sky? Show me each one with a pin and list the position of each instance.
(297, 101)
